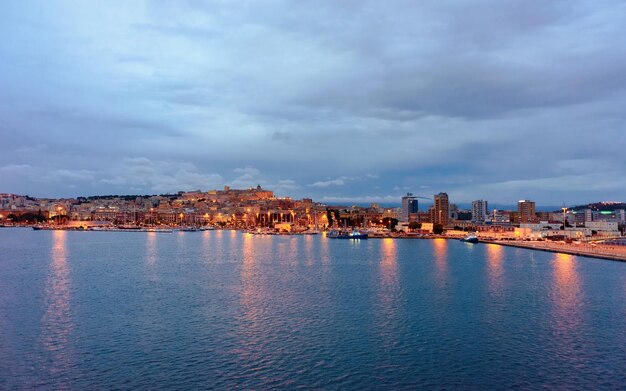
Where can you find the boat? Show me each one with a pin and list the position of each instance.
(44, 228)
(470, 238)
(159, 230)
(355, 234)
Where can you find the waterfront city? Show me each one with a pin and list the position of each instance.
(593, 229)
(312, 195)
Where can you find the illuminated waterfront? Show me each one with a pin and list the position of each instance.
(223, 309)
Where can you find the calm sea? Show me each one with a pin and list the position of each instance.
(222, 309)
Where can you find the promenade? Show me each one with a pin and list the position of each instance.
(604, 251)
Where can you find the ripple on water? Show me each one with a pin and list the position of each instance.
(223, 310)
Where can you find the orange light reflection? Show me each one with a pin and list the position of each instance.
(566, 293)
(151, 251)
(57, 322)
(308, 249)
(441, 259)
(252, 303)
(495, 256)
(389, 266)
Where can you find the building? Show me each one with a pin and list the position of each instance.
(603, 226)
(441, 209)
(409, 206)
(526, 211)
(479, 211)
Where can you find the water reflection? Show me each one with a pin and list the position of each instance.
(308, 250)
(566, 294)
(220, 246)
(441, 260)
(252, 302)
(151, 255)
(324, 250)
(151, 251)
(387, 320)
(495, 255)
(388, 263)
(234, 244)
(388, 273)
(57, 322)
(206, 247)
(293, 249)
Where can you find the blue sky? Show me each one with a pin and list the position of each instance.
(351, 101)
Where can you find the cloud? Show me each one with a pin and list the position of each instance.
(72, 175)
(332, 182)
(247, 170)
(16, 167)
(151, 176)
(452, 96)
(362, 199)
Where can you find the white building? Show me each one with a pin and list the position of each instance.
(602, 226)
(479, 211)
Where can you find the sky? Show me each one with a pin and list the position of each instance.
(342, 101)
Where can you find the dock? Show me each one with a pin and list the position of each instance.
(603, 251)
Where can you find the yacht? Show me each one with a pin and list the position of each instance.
(355, 234)
(470, 238)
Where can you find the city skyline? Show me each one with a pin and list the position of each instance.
(344, 103)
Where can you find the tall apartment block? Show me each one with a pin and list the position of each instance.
(441, 209)
(479, 211)
(409, 205)
(526, 211)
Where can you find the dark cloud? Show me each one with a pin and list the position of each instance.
(483, 99)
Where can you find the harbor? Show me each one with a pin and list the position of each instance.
(611, 252)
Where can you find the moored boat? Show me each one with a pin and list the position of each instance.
(355, 234)
(471, 238)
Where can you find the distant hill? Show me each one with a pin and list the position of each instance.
(601, 206)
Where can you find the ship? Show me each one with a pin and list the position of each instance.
(355, 234)
(470, 238)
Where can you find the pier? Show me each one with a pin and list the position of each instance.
(603, 251)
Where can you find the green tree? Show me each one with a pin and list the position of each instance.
(437, 229)
(390, 223)
(415, 225)
(30, 218)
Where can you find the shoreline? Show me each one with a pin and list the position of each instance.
(600, 251)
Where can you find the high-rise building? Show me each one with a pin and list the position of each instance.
(409, 205)
(441, 209)
(479, 211)
(526, 211)
(588, 215)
